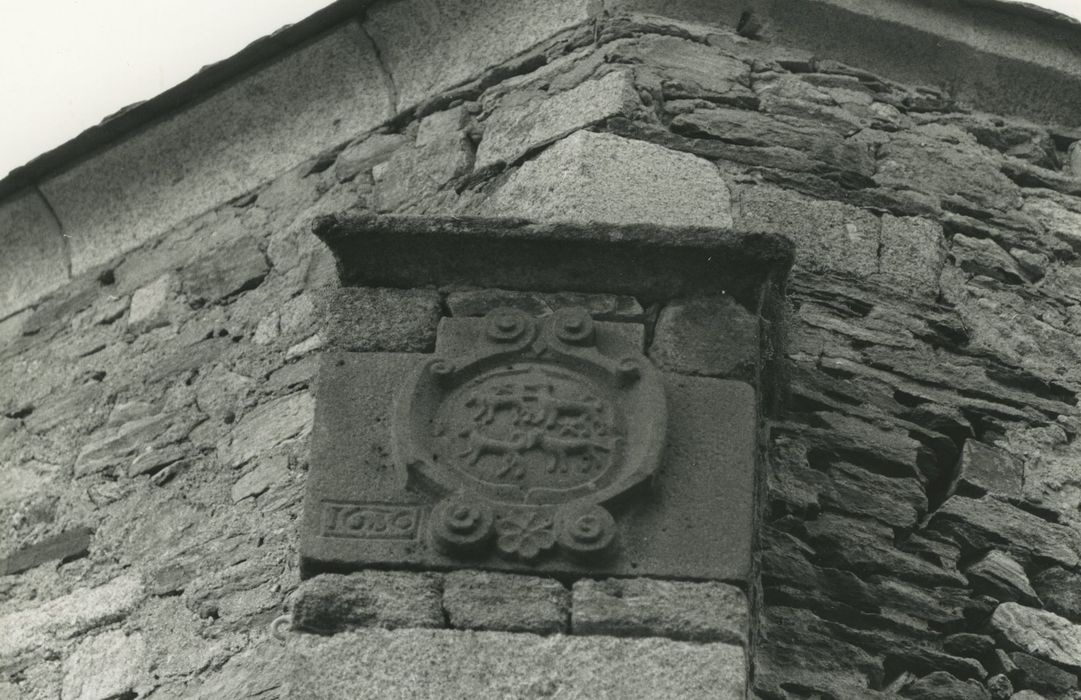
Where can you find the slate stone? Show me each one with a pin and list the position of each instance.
(601, 177)
(986, 522)
(120, 445)
(332, 603)
(516, 128)
(149, 304)
(422, 664)
(710, 336)
(234, 268)
(1041, 676)
(1043, 634)
(269, 473)
(866, 548)
(798, 648)
(980, 256)
(362, 156)
(988, 469)
(899, 502)
(485, 600)
(691, 611)
(152, 460)
(943, 686)
(1060, 591)
(266, 427)
(688, 69)
(366, 319)
(973, 646)
(67, 545)
(1001, 577)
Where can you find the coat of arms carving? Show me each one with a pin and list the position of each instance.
(527, 434)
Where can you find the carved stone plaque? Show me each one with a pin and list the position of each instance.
(548, 444)
(527, 435)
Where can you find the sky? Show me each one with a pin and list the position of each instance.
(66, 64)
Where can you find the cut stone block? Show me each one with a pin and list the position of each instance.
(389, 599)
(480, 600)
(438, 664)
(829, 236)
(694, 522)
(702, 612)
(600, 177)
(605, 307)
(366, 319)
(35, 261)
(431, 45)
(306, 101)
(711, 336)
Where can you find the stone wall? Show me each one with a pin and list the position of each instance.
(923, 534)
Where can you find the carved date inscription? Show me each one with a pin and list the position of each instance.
(366, 521)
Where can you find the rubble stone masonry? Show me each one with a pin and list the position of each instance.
(163, 302)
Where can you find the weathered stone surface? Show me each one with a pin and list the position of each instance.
(266, 427)
(829, 236)
(603, 307)
(436, 664)
(44, 627)
(234, 268)
(644, 607)
(688, 69)
(516, 128)
(985, 522)
(1060, 591)
(1041, 676)
(66, 545)
(712, 336)
(321, 94)
(1001, 577)
(268, 473)
(981, 256)
(988, 469)
(480, 600)
(1043, 634)
(1000, 687)
(366, 319)
(106, 666)
(390, 599)
(35, 261)
(972, 646)
(913, 254)
(944, 686)
(601, 177)
(937, 167)
(431, 45)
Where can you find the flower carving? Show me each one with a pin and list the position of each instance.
(525, 533)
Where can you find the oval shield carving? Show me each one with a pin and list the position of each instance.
(527, 435)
